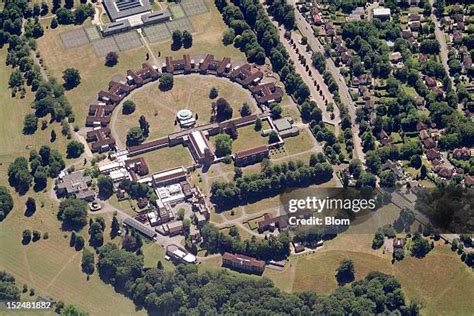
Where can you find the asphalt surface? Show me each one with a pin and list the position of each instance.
(306, 30)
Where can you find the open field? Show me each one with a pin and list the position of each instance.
(248, 138)
(14, 142)
(95, 75)
(167, 158)
(51, 266)
(189, 92)
(298, 144)
(153, 252)
(440, 281)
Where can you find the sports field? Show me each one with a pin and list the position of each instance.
(207, 37)
(189, 92)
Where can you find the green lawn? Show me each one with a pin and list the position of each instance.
(189, 92)
(409, 90)
(167, 158)
(248, 138)
(300, 143)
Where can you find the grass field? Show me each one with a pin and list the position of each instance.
(440, 281)
(248, 138)
(51, 266)
(189, 92)
(167, 158)
(298, 144)
(95, 75)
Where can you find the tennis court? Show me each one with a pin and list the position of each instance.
(128, 40)
(181, 24)
(194, 7)
(157, 33)
(74, 38)
(92, 33)
(104, 46)
(176, 11)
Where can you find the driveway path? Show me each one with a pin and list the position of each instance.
(440, 37)
(346, 99)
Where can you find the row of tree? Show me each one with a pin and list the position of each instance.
(255, 34)
(270, 248)
(272, 180)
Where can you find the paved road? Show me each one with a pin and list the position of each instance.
(440, 37)
(307, 78)
(306, 30)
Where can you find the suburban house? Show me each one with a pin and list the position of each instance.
(267, 93)
(178, 66)
(209, 65)
(245, 76)
(180, 255)
(101, 139)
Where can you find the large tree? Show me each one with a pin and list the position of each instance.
(134, 136)
(106, 186)
(187, 39)
(223, 145)
(73, 213)
(166, 82)
(30, 124)
(75, 149)
(223, 110)
(345, 272)
(6, 202)
(71, 77)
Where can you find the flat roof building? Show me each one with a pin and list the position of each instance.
(133, 223)
(119, 9)
(116, 27)
(284, 127)
(382, 13)
(160, 16)
(75, 183)
(180, 255)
